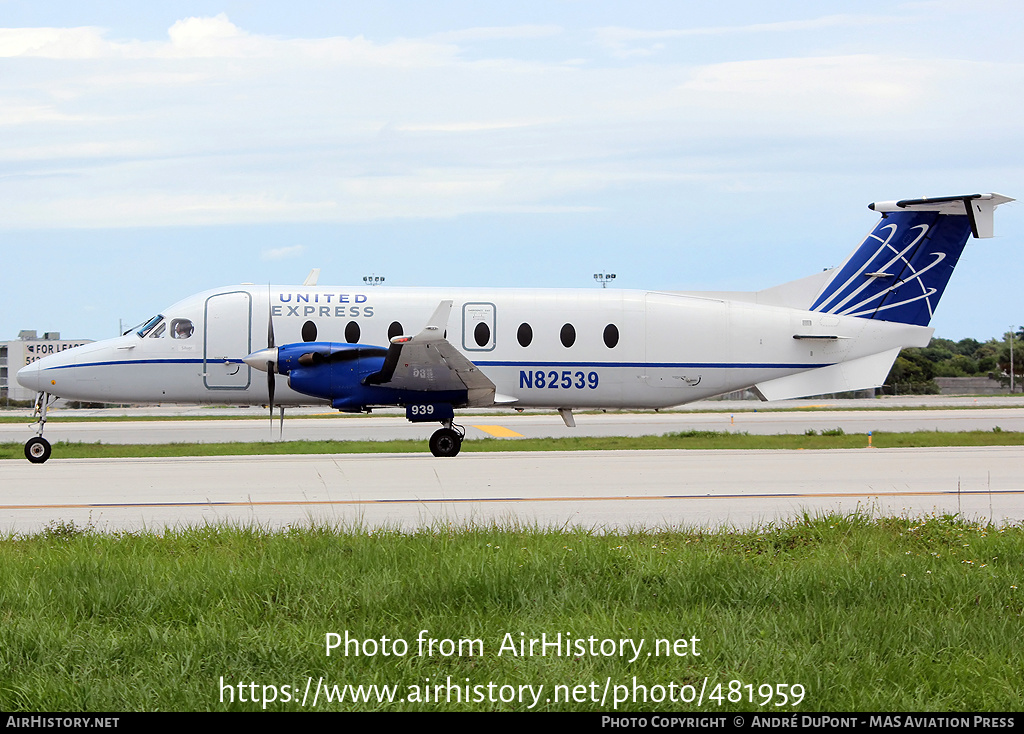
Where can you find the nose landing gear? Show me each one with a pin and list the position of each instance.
(37, 449)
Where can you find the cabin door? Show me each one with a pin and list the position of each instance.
(227, 340)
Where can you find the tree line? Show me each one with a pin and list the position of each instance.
(915, 369)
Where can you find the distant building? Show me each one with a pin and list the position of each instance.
(25, 349)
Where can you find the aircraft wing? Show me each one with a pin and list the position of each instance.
(428, 362)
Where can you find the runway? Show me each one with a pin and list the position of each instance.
(596, 490)
(511, 425)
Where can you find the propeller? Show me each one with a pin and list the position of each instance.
(266, 360)
(270, 364)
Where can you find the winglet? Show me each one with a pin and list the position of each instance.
(435, 328)
(438, 321)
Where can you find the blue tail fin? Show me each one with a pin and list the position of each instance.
(901, 269)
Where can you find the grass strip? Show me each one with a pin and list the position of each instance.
(834, 439)
(866, 614)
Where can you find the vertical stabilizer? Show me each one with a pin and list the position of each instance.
(901, 269)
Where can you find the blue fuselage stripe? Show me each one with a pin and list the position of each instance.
(146, 361)
(521, 365)
(661, 365)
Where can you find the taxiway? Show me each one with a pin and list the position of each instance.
(506, 424)
(598, 490)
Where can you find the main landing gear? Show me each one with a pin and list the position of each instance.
(37, 449)
(447, 441)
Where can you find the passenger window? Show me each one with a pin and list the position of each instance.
(525, 335)
(309, 332)
(482, 334)
(181, 329)
(394, 330)
(611, 336)
(352, 332)
(568, 335)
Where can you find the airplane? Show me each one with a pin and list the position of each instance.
(436, 350)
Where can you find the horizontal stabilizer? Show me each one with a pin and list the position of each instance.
(857, 374)
(978, 208)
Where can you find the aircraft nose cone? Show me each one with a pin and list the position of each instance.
(258, 359)
(31, 377)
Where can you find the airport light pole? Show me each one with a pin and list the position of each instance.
(1011, 358)
(604, 278)
(373, 279)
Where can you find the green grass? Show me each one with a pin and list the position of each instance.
(830, 439)
(867, 614)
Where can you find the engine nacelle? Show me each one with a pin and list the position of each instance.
(332, 371)
(340, 372)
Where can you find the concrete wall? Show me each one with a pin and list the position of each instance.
(970, 386)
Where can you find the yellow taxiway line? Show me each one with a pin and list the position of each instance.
(499, 431)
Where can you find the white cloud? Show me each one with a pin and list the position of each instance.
(848, 87)
(54, 43)
(218, 125)
(217, 37)
(29, 114)
(625, 42)
(494, 33)
(283, 253)
(470, 126)
(204, 35)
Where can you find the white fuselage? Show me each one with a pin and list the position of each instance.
(630, 349)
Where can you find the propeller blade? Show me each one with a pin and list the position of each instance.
(270, 388)
(270, 323)
(270, 365)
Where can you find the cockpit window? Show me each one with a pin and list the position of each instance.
(181, 329)
(158, 331)
(145, 328)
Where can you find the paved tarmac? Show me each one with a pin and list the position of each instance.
(612, 490)
(945, 414)
(597, 490)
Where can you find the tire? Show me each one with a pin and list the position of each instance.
(445, 442)
(37, 450)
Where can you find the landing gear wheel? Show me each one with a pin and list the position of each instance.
(445, 442)
(37, 450)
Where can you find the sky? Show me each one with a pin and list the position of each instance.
(149, 151)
